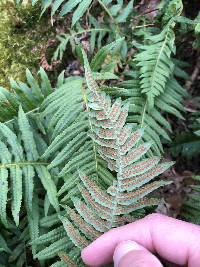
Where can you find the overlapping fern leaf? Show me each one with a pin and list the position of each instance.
(70, 146)
(157, 128)
(120, 147)
(24, 175)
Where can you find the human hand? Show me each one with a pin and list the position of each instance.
(133, 244)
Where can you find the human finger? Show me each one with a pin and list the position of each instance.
(174, 240)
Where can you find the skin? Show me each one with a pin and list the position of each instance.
(173, 240)
(130, 253)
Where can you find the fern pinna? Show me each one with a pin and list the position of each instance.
(120, 147)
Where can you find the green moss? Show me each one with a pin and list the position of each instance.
(22, 38)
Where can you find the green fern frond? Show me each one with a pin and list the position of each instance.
(21, 166)
(53, 235)
(53, 239)
(155, 64)
(29, 95)
(118, 12)
(100, 56)
(79, 7)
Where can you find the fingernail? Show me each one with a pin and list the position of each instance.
(123, 248)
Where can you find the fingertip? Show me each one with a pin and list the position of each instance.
(129, 253)
(85, 255)
(100, 251)
(123, 249)
(90, 257)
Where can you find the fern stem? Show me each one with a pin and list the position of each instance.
(27, 113)
(119, 174)
(22, 164)
(158, 59)
(90, 123)
(90, 30)
(143, 114)
(110, 15)
(106, 9)
(144, 25)
(145, 13)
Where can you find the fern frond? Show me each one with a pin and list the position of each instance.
(72, 259)
(121, 148)
(71, 147)
(53, 239)
(33, 222)
(52, 250)
(157, 128)
(99, 31)
(155, 64)
(79, 7)
(118, 12)
(100, 56)
(72, 38)
(21, 166)
(29, 95)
